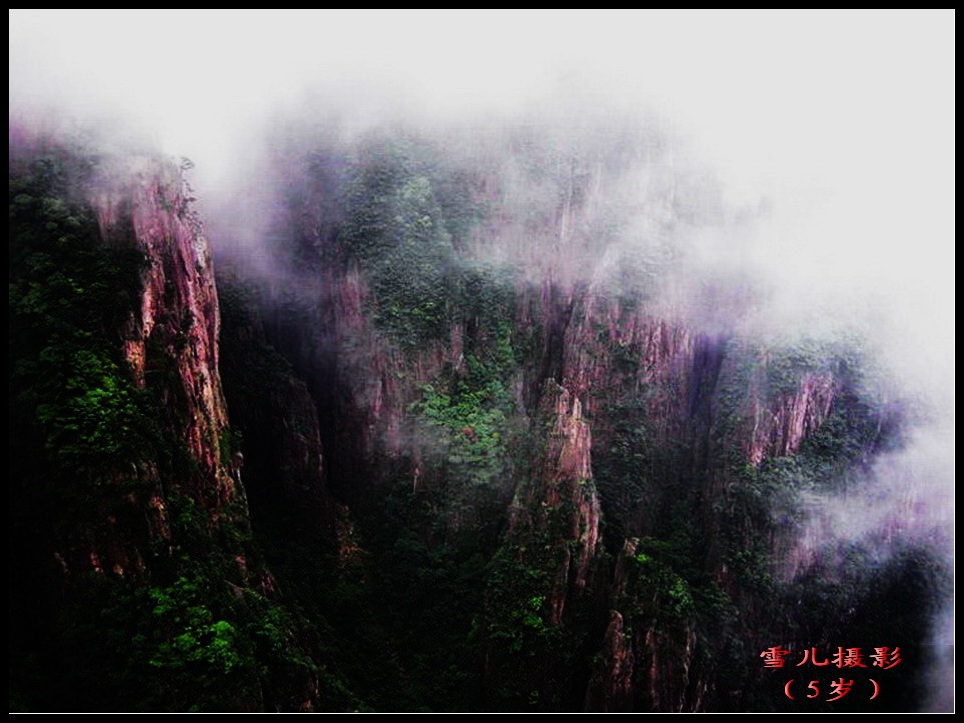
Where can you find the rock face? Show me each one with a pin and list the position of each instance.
(143, 203)
(559, 504)
(636, 434)
(706, 411)
(131, 472)
(611, 689)
(781, 427)
(532, 489)
(565, 483)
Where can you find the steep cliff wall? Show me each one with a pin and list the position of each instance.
(491, 343)
(144, 204)
(471, 435)
(128, 496)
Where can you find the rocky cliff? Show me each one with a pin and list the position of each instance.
(143, 204)
(477, 447)
(130, 475)
(504, 375)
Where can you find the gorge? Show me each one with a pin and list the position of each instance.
(467, 426)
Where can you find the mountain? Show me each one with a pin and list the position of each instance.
(478, 435)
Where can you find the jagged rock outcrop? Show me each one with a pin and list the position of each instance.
(698, 410)
(476, 443)
(143, 203)
(544, 586)
(155, 595)
(781, 426)
(559, 503)
(611, 688)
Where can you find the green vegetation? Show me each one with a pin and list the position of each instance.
(469, 419)
(67, 294)
(395, 229)
(400, 213)
(532, 664)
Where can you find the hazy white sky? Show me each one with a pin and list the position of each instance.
(843, 119)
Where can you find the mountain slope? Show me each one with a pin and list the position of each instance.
(484, 437)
